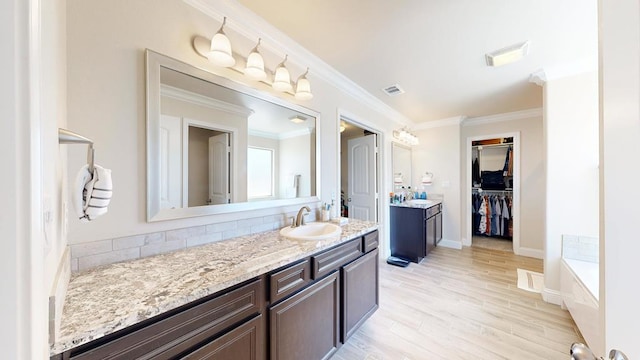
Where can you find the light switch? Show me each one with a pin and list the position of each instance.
(446, 183)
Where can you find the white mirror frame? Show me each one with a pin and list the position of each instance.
(154, 61)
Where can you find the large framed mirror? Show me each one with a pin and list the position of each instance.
(401, 164)
(215, 146)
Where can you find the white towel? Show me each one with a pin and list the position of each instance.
(92, 192)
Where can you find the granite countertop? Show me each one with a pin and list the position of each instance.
(431, 202)
(105, 299)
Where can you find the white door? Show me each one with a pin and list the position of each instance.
(219, 159)
(362, 191)
(170, 162)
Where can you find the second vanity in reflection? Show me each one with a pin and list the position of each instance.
(415, 228)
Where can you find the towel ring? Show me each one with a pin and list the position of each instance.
(69, 137)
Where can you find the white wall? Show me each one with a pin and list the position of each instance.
(439, 154)
(532, 180)
(571, 138)
(619, 173)
(32, 106)
(107, 94)
(294, 153)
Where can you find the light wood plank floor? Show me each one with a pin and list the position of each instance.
(462, 304)
(492, 243)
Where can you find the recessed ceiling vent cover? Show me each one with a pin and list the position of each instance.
(393, 90)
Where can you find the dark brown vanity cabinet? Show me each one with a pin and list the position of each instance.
(360, 292)
(306, 325)
(224, 323)
(313, 323)
(415, 231)
(304, 310)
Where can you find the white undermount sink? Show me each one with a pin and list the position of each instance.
(420, 202)
(312, 231)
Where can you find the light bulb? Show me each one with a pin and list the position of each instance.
(220, 53)
(282, 79)
(255, 64)
(303, 87)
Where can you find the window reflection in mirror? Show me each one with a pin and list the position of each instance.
(260, 170)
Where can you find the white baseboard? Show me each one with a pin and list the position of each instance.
(450, 244)
(552, 296)
(529, 252)
(466, 242)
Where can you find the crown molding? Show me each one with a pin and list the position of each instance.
(276, 136)
(510, 116)
(539, 77)
(197, 99)
(452, 121)
(559, 71)
(248, 24)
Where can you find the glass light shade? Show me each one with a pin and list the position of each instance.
(303, 89)
(220, 53)
(282, 80)
(255, 66)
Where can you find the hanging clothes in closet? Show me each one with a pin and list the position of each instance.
(491, 215)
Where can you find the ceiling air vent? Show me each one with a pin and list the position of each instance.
(393, 90)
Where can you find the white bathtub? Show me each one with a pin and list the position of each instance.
(579, 285)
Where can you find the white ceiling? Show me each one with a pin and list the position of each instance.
(434, 49)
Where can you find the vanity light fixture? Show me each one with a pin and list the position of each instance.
(406, 137)
(303, 87)
(343, 126)
(255, 64)
(220, 53)
(507, 54)
(282, 79)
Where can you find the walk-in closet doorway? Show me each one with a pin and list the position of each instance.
(515, 187)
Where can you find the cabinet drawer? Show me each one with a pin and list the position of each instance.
(370, 241)
(330, 260)
(177, 333)
(287, 281)
(245, 342)
(434, 210)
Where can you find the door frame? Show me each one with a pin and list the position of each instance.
(515, 208)
(186, 122)
(382, 216)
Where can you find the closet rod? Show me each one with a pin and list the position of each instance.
(506, 191)
(493, 145)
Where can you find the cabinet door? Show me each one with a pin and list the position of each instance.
(360, 292)
(431, 233)
(246, 342)
(407, 233)
(306, 325)
(438, 227)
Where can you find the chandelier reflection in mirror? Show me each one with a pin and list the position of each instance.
(220, 53)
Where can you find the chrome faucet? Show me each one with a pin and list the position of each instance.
(300, 217)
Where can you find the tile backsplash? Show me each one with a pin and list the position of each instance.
(91, 254)
(582, 248)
